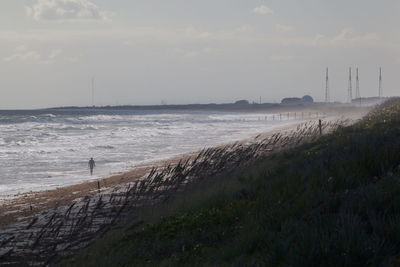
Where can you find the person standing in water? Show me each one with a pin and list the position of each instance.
(91, 165)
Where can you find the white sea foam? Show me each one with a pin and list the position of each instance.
(42, 151)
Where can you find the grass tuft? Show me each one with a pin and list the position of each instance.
(334, 201)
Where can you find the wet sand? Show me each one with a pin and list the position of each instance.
(23, 206)
(65, 220)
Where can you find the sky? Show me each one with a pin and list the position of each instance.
(143, 52)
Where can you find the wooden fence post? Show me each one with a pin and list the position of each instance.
(320, 127)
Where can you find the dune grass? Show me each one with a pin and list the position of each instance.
(334, 201)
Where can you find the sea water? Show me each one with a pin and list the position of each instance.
(45, 149)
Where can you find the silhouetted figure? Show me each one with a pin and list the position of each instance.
(91, 165)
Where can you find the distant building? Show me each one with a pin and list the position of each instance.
(297, 100)
(307, 99)
(242, 102)
(291, 100)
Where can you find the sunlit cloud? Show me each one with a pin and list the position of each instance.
(263, 10)
(245, 34)
(23, 54)
(66, 10)
(349, 38)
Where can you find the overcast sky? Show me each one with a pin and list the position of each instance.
(186, 51)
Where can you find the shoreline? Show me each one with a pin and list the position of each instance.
(65, 220)
(19, 181)
(23, 206)
(65, 163)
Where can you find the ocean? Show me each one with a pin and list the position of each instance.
(45, 149)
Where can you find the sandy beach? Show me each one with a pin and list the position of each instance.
(24, 205)
(66, 219)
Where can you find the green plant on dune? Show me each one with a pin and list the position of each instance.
(334, 201)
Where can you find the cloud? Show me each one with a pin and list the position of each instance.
(55, 53)
(192, 53)
(66, 10)
(283, 28)
(23, 54)
(348, 38)
(263, 10)
(319, 38)
(191, 35)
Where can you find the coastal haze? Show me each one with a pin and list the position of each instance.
(180, 52)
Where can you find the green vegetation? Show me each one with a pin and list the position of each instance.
(332, 202)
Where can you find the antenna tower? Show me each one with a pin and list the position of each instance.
(350, 89)
(380, 83)
(93, 92)
(357, 86)
(327, 86)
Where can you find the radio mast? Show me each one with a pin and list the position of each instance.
(380, 83)
(92, 92)
(327, 100)
(350, 89)
(357, 86)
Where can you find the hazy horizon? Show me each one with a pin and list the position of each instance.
(181, 52)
